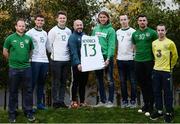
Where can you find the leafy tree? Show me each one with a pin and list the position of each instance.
(76, 9)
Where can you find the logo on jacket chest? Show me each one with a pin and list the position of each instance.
(101, 34)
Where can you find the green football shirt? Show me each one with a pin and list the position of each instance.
(143, 42)
(19, 48)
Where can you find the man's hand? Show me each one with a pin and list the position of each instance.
(106, 62)
(79, 67)
(5, 53)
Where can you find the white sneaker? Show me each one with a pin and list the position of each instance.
(132, 106)
(140, 111)
(109, 105)
(147, 114)
(100, 104)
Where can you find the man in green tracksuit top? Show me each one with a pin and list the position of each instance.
(107, 36)
(142, 39)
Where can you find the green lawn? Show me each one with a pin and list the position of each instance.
(88, 115)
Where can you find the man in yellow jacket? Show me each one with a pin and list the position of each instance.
(165, 54)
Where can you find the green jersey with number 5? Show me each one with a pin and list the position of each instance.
(19, 48)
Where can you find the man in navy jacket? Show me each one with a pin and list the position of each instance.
(79, 78)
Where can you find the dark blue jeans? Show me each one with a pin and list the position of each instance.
(162, 82)
(127, 72)
(59, 77)
(100, 79)
(17, 78)
(39, 74)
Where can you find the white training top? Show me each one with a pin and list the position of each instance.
(91, 55)
(58, 40)
(39, 38)
(125, 45)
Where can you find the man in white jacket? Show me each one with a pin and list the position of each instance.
(58, 39)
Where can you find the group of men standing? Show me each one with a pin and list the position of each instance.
(137, 51)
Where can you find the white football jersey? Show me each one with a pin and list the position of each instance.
(125, 45)
(39, 38)
(58, 40)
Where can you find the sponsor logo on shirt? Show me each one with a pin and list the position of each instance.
(101, 34)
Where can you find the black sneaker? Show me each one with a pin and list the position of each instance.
(143, 109)
(63, 105)
(30, 117)
(168, 118)
(55, 105)
(155, 115)
(148, 111)
(12, 118)
(124, 104)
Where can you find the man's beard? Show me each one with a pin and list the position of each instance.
(79, 30)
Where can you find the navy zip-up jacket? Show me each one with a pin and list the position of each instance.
(74, 44)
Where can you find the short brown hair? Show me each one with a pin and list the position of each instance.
(142, 15)
(161, 25)
(38, 15)
(62, 13)
(19, 19)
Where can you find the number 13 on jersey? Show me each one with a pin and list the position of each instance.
(91, 55)
(89, 49)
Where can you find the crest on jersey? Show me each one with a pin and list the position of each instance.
(129, 34)
(147, 34)
(14, 41)
(165, 46)
(26, 41)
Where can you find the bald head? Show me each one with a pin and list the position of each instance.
(78, 25)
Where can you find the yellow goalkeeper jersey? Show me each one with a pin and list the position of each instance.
(164, 52)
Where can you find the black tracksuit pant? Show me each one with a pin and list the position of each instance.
(143, 71)
(79, 80)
